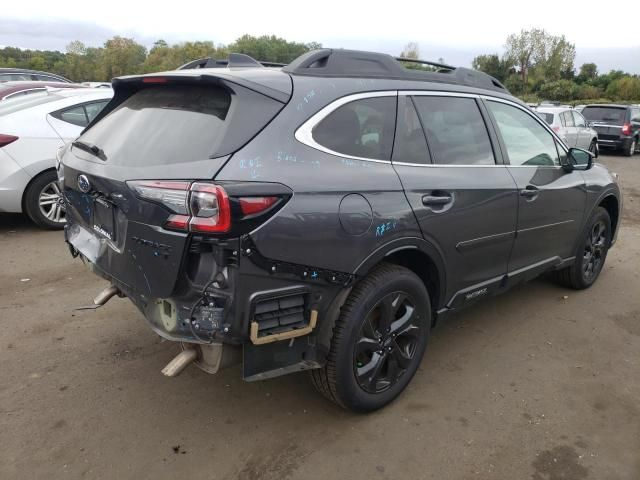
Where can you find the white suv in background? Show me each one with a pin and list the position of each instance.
(571, 127)
(32, 128)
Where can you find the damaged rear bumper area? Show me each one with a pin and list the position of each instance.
(221, 298)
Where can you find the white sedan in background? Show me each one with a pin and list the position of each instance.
(571, 127)
(32, 129)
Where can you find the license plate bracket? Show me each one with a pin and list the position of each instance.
(104, 218)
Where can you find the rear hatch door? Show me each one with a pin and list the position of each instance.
(182, 128)
(606, 120)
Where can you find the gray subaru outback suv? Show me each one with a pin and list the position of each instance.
(325, 215)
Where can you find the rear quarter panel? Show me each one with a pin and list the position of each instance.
(310, 230)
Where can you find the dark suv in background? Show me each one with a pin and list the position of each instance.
(325, 215)
(618, 126)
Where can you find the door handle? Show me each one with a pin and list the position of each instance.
(434, 200)
(530, 191)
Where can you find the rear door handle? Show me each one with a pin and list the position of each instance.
(530, 191)
(431, 200)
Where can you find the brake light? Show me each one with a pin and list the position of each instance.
(7, 139)
(197, 207)
(154, 80)
(556, 129)
(253, 205)
(626, 129)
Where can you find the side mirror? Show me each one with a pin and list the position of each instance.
(578, 159)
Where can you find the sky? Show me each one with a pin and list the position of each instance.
(454, 30)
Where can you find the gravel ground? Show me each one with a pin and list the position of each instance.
(541, 383)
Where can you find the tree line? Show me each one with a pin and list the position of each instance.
(534, 66)
(538, 66)
(124, 56)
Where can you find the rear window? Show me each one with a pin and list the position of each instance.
(547, 117)
(169, 124)
(362, 128)
(611, 115)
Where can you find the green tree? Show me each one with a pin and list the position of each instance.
(411, 50)
(123, 56)
(270, 48)
(536, 48)
(493, 65)
(588, 73)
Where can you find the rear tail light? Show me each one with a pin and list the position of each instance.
(626, 129)
(556, 129)
(210, 208)
(7, 139)
(201, 207)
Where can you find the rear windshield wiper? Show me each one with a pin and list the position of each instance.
(90, 148)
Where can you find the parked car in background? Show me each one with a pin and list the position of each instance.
(20, 88)
(21, 74)
(618, 126)
(571, 127)
(32, 128)
(325, 215)
(97, 84)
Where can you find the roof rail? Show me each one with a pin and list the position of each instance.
(328, 62)
(425, 62)
(235, 60)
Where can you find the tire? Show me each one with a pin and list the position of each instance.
(44, 189)
(361, 344)
(591, 253)
(628, 152)
(637, 145)
(593, 147)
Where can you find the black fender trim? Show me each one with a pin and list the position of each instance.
(409, 243)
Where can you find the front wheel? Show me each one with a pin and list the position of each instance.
(593, 147)
(591, 254)
(378, 340)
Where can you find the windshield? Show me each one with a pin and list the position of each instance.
(612, 115)
(547, 117)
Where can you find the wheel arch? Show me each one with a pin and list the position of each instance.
(611, 204)
(417, 255)
(28, 185)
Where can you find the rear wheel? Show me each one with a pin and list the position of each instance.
(632, 148)
(378, 341)
(593, 147)
(43, 201)
(591, 254)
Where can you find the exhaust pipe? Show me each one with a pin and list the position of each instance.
(180, 362)
(103, 297)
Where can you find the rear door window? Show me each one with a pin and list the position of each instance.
(568, 119)
(455, 130)
(410, 144)
(528, 143)
(362, 128)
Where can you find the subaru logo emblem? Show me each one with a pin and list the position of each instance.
(83, 183)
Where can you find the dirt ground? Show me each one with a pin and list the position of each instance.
(541, 383)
